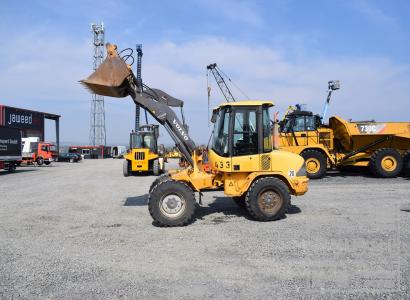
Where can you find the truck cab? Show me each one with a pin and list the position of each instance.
(38, 152)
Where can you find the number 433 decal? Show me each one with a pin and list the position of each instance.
(221, 164)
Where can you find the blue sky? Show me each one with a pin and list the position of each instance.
(284, 51)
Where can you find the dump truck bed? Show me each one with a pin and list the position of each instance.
(350, 136)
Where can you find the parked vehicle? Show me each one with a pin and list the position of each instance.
(118, 151)
(383, 147)
(144, 154)
(35, 151)
(70, 157)
(10, 148)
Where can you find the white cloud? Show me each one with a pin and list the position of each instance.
(372, 12)
(372, 88)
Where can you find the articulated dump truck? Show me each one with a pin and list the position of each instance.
(383, 147)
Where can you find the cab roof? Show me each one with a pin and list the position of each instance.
(246, 103)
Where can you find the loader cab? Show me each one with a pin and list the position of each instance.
(303, 128)
(143, 140)
(242, 131)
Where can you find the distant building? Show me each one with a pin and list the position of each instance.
(92, 152)
(30, 122)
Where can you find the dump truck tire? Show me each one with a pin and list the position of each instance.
(126, 168)
(316, 164)
(155, 167)
(40, 161)
(268, 199)
(171, 203)
(386, 162)
(240, 201)
(163, 177)
(406, 164)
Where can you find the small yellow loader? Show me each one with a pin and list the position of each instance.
(144, 154)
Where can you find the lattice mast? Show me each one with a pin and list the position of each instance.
(97, 118)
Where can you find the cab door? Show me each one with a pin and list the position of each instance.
(245, 139)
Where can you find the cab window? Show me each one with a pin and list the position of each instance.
(220, 139)
(245, 136)
(267, 131)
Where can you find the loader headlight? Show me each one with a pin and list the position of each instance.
(302, 170)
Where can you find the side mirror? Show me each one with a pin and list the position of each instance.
(281, 125)
(214, 116)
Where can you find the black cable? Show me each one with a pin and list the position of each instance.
(128, 55)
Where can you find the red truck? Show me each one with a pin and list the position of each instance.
(38, 152)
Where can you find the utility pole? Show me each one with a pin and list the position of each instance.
(97, 116)
(139, 82)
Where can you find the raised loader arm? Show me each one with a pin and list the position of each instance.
(115, 78)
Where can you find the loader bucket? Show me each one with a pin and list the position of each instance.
(110, 78)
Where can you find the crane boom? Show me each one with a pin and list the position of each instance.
(221, 82)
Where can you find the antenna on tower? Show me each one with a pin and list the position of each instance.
(97, 117)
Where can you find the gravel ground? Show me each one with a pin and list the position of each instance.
(83, 231)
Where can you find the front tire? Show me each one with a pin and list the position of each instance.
(316, 163)
(386, 162)
(155, 167)
(268, 199)
(163, 177)
(40, 161)
(126, 168)
(171, 203)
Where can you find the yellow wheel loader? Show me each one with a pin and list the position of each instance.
(241, 158)
(144, 154)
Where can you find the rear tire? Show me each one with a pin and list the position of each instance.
(12, 168)
(406, 164)
(316, 163)
(47, 163)
(268, 199)
(155, 167)
(171, 203)
(126, 168)
(40, 161)
(240, 201)
(386, 162)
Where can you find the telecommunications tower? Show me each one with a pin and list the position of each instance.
(97, 120)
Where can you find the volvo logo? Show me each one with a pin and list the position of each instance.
(181, 130)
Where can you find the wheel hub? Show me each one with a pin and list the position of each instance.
(172, 205)
(389, 163)
(270, 202)
(312, 165)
